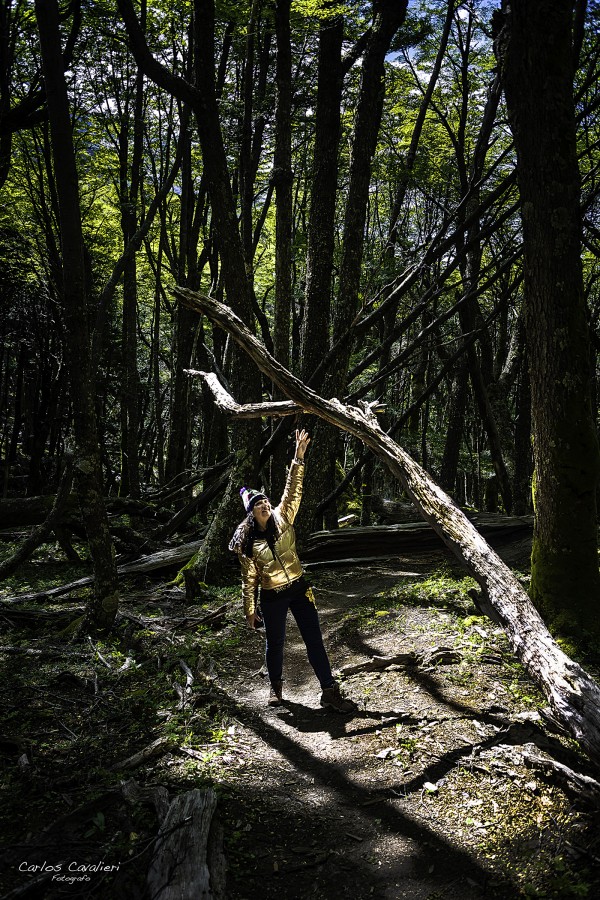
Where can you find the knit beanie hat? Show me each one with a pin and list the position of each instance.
(250, 497)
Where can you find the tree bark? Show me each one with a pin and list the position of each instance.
(534, 48)
(88, 473)
(321, 223)
(129, 191)
(522, 452)
(457, 406)
(316, 323)
(184, 326)
(283, 178)
(214, 559)
(188, 856)
(573, 695)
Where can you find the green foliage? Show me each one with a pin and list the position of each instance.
(441, 588)
(319, 9)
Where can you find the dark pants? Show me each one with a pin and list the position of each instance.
(275, 605)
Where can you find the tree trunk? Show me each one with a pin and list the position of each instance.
(522, 453)
(188, 858)
(471, 318)
(157, 398)
(214, 559)
(178, 449)
(573, 695)
(283, 178)
(534, 48)
(321, 241)
(321, 223)
(454, 431)
(129, 190)
(88, 473)
(408, 161)
(388, 16)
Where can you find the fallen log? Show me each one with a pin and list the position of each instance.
(18, 512)
(399, 512)
(572, 693)
(361, 560)
(408, 538)
(188, 856)
(21, 512)
(586, 788)
(36, 617)
(392, 512)
(174, 556)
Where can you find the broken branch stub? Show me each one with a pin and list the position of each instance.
(572, 693)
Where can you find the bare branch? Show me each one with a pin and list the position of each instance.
(228, 405)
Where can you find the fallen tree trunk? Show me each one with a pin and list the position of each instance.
(409, 538)
(174, 556)
(18, 512)
(572, 693)
(398, 512)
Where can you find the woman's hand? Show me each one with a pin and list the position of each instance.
(252, 619)
(302, 442)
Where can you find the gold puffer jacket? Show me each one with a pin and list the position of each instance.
(262, 568)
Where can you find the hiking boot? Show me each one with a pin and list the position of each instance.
(333, 699)
(276, 693)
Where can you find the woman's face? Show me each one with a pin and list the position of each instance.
(262, 512)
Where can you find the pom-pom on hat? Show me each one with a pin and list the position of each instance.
(250, 497)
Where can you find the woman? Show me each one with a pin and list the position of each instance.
(266, 546)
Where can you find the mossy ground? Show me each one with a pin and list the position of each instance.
(426, 793)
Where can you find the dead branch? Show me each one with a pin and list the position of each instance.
(572, 693)
(165, 623)
(173, 491)
(435, 656)
(379, 663)
(586, 788)
(228, 405)
(158, 747)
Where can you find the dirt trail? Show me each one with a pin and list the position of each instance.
(329, 817)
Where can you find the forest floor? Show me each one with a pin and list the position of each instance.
(443, 786)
